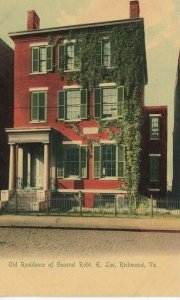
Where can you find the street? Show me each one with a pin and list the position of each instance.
(24, 242)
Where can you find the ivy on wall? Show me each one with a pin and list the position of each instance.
(128, 59)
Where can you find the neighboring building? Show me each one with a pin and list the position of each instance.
(154, 169)
(79, 99)
(176, 136)
(6, 110)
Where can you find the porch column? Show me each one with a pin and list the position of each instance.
(46, 167)
(28, 169)
(12, 167)
(20, 168)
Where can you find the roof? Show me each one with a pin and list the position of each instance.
(72, 27)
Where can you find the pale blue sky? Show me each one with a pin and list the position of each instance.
(162, 30)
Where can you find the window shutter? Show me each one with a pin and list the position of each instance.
(120, 101)
(99, 54)
(121, 161)
(49, 58)
(34, 106)
(84, 104)
(42, 106)
(35, 59)
(97, 161)
(60, 161)
(83, 161)
(77, 62)
(61, 57)
(97, 103)
(61, 105)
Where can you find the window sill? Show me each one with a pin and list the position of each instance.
(69, 121)
(73, 70)
(108, 178)
(154, 139)
(110, 118)
(71, 178)
(37, 122)
(38, 73)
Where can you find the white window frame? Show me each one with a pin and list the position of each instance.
(45, 106)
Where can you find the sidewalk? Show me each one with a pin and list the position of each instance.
(94, 223)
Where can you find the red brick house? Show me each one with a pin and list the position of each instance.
(6, 111)
(73, 86)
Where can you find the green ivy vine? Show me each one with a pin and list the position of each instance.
(128, 53)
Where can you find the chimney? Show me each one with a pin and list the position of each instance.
(134, 9)
(33, 21)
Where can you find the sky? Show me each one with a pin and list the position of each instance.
(162, 32)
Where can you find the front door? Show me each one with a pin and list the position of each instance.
(37, 164)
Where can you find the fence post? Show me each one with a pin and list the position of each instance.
(80, 202)
(115, 207)
(47, 202)
(152, 213)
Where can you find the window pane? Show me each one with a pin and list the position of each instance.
(106, 53)
(71, 161)
(109, 160)
(110, 102)
(41, 113)
(154, 127)
(73, 105)
(70, 56)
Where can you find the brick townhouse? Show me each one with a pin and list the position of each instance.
(79, 110)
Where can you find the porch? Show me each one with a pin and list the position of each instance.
(32, 163)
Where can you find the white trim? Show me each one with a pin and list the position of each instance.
(154, 154)
(38, 44)
(69, 41)
(154, 190)
(34, 89)
(37, 122)
(109, 84)
(108, 142)
(108, 178)
(96, 191)
(38, 73)
(72, 142)
(75, 86)
(155, 115)
(28, 129)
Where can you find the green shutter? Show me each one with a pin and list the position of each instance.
(121, 161)
(61, 105)
(61, 57)
(83, 150)
(97, 103)
(49, 58)
(35, 59)
(83, 104)
(77, 62)
(99, 54)
(34, 107)
(60, 161)
(97, 161)
(120, 101)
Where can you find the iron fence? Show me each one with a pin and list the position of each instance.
(103, 205)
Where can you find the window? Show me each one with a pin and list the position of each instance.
(108, 102)
(154, 128)
(38, 106)
(103, 53)
(72, 104)
(104, 200)
(42, 59)
(109, 161)
(68, 57)
(154, 167)
(72, 161)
